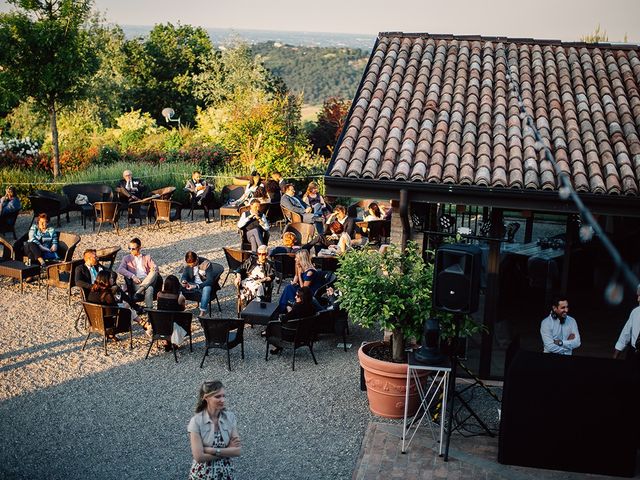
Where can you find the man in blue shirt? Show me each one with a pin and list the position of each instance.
(559, 331)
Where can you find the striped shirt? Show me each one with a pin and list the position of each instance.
(47, 239)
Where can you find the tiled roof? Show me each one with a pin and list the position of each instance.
(439, 109)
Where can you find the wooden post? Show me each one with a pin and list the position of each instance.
(528, 228)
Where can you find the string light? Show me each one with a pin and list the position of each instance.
(614, 290)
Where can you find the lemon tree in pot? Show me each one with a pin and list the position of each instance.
(390, 291)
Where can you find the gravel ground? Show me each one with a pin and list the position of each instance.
(65, 413)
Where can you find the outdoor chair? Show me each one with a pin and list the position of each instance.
(11, 264)
(46, 205)
(230, 193)
(107, 212)
(274, 215)
(333, 322)
(67, 243)
(326, 263)
(290, 217)
(138, 210)
(193, 203)
(107, 320)
(326, 280)
(377, 231)
(164, 193)
(62, 275)
(8, 223)
(285, 267)
(162, 325)
(218, 270)
(107, 254)
(235, 258)
(298, 332)
(95, 192)
(224, 333)
(136, 298)
(167, 211)
(304, 232)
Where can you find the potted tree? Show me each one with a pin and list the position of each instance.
(392, 291)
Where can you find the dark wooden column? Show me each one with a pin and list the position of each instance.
(528, 227)
(491, 294)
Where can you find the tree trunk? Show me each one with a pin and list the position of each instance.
(54, 138)
(397, 347)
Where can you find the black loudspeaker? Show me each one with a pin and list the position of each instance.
(570, 413)
(456, 283)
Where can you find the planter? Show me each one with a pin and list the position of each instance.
(386, 385)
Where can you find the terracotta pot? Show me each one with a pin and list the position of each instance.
(386, 385)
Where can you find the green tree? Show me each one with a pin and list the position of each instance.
(160, 69)
(330, 122)
(46, 54)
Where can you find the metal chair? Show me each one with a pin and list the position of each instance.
(299, 332)
(107, 320)
(285, 267)
(224, 333)
(107, 212)
(162, 324)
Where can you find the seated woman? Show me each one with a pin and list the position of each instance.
(374, 212)
(42, 243)
(249, 191)
(170, 298)
(288, 244)
(306, 276)
(328, 239)
(313, 198)
(254, 275)
(103, 292)
(303, 307)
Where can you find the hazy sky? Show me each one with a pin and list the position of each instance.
(557, 19)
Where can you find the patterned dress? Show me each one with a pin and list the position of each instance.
(220, 469)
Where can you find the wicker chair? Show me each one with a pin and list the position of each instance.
(107, 212)
(62, 275)
(304, 232)
(107, 320)
(299, 332)
(235, 258)
(163, 209)
(162, 324)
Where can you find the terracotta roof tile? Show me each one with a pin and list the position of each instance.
(442, 110)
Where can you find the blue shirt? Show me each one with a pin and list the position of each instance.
(47, 239)
(551, 329)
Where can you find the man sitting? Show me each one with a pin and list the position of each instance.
(130, 188)
(140, 274)
(200, 279)
(254, 225)
(201, 192)
(293, 203)
(254, 276)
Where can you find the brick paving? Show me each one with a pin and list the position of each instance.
(469, 458)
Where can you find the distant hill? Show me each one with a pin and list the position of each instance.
(317, 72)
(223, 36)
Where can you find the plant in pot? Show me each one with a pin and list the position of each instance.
(391, 291)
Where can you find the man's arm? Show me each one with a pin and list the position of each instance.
(244, 219)
(264, 223)
(152, 264)
(288, 204)
(122, 268)
(624, 339)
(575, 341)
(547, 339)
(81, 278)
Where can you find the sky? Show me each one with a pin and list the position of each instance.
(551, 19)
(556, 19)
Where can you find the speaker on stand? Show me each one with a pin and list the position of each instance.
(456, 289)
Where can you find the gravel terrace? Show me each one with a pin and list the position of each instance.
(65, 413)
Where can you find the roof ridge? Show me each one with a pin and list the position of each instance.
(516, 40)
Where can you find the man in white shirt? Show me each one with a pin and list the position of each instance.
(255, 225)
(630, 331)
(559, 331)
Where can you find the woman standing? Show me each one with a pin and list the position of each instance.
(213, 435)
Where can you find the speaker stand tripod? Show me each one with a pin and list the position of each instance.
(457, 396)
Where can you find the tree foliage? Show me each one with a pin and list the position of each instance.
(46, 54)
(330, 122)
(316, 72)
(161, 68)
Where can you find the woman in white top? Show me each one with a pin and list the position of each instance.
(213, 434)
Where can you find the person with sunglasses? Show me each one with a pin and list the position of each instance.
(140, 274)
(254, 276)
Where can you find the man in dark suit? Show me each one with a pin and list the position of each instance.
(293, 203)
(200, 279)
(130, 188)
